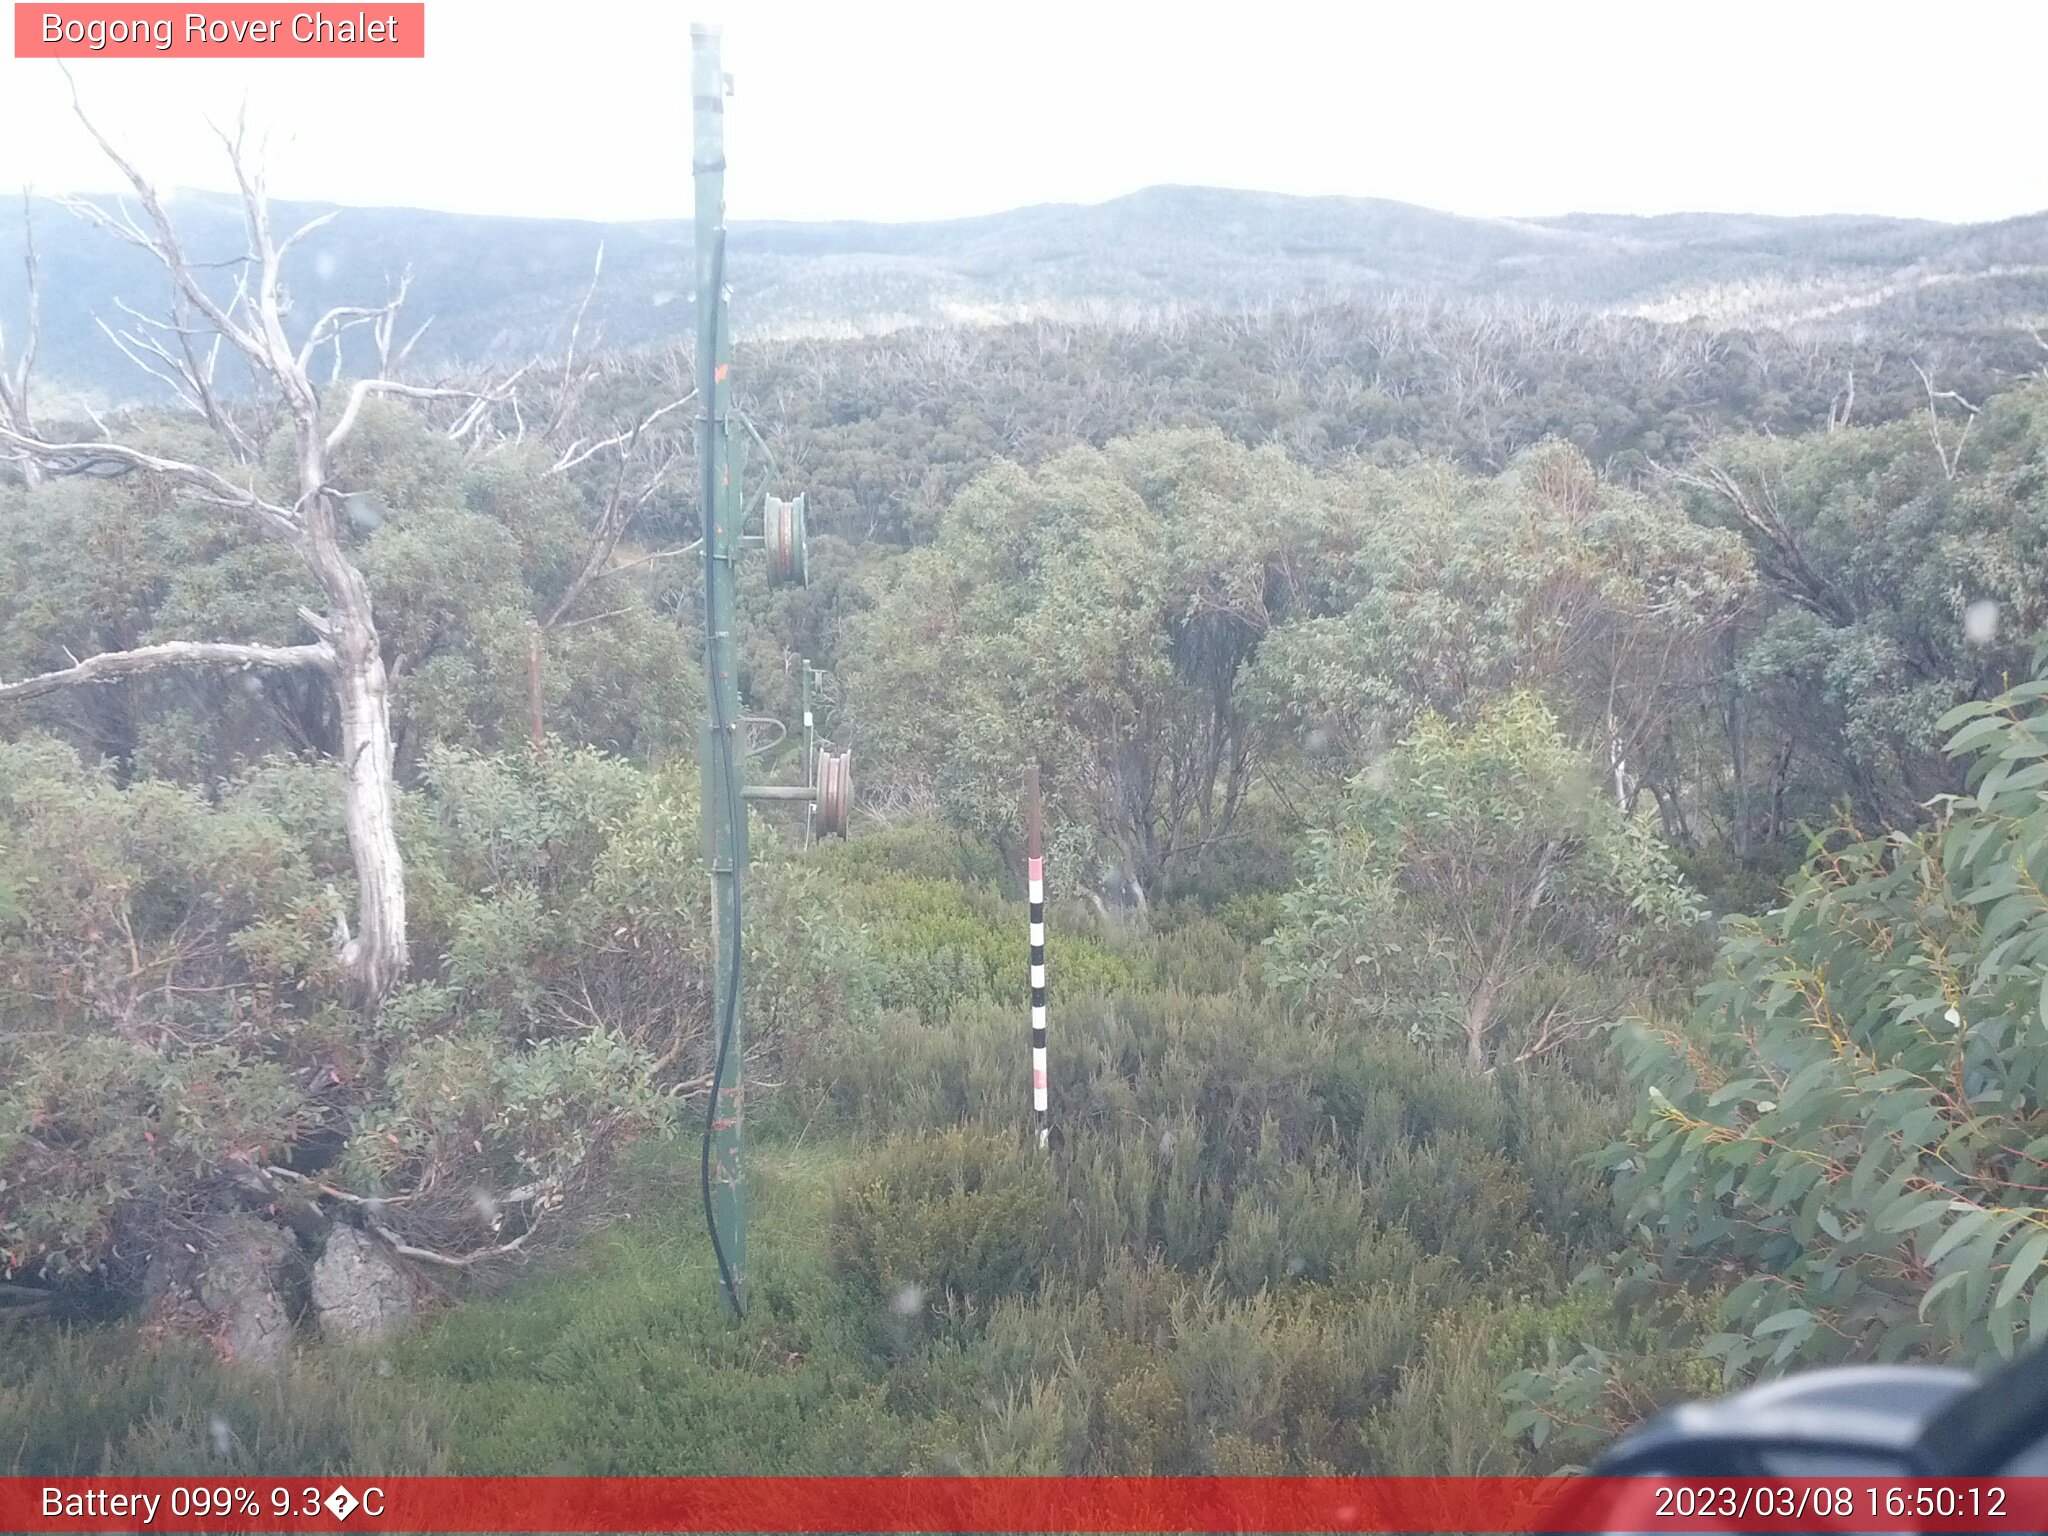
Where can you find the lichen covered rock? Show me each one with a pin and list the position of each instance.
(359, 1291)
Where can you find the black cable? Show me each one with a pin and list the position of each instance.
(735, 807)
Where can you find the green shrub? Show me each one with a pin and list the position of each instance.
(170, 1012)
(916, 851)
(956, 1219)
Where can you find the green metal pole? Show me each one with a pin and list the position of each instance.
(810, 751)
(725, 817)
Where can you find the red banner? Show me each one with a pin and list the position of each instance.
(236, 31)
(1021, 1504)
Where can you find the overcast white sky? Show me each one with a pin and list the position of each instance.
(883, 110)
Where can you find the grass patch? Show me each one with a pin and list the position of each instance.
(630, 1364)
(623, 1362)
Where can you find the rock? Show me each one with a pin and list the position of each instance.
(240, 1276)
(359, 1291)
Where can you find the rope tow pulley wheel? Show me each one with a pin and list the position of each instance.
(835, 792)
(782, 532)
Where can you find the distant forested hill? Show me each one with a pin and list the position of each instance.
(499, 288)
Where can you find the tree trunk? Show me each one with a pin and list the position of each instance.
(1479, 1022)
(1738, 764)
(1781, 774)
(1671, 810)
(536, 706)
(1617, 763)
(376, 958)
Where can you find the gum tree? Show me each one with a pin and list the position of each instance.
(1857, 1112)
(1099, 614)
(1476, 884)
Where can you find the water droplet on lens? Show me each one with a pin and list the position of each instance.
(1980, 622)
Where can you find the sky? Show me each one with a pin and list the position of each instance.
(878, 110)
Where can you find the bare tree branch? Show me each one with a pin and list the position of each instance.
(168, 249)
(344, 317)
(616, 518)
(133, 346)
(188, 375)
(480, 399)
(572, 385)
(1781, 554)
(580, 452)
(612, 523)
(305, 229)
(541, 1191)
(79, 458)
(387, 364)
(200, 374)
(123, 228)
(109, 665)
(621, 567)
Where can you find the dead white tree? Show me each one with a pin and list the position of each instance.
(308, 515)
(1950, 454)
(1844, 404)
(14, 377)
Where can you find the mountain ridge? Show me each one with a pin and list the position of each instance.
(499, 286)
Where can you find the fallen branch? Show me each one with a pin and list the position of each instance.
(328, 1190)
(525, 1193)
(406, 1250)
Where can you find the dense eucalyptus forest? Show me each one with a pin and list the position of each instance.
(1545, 826)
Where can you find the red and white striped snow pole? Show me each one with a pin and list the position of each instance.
(1034, 868)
